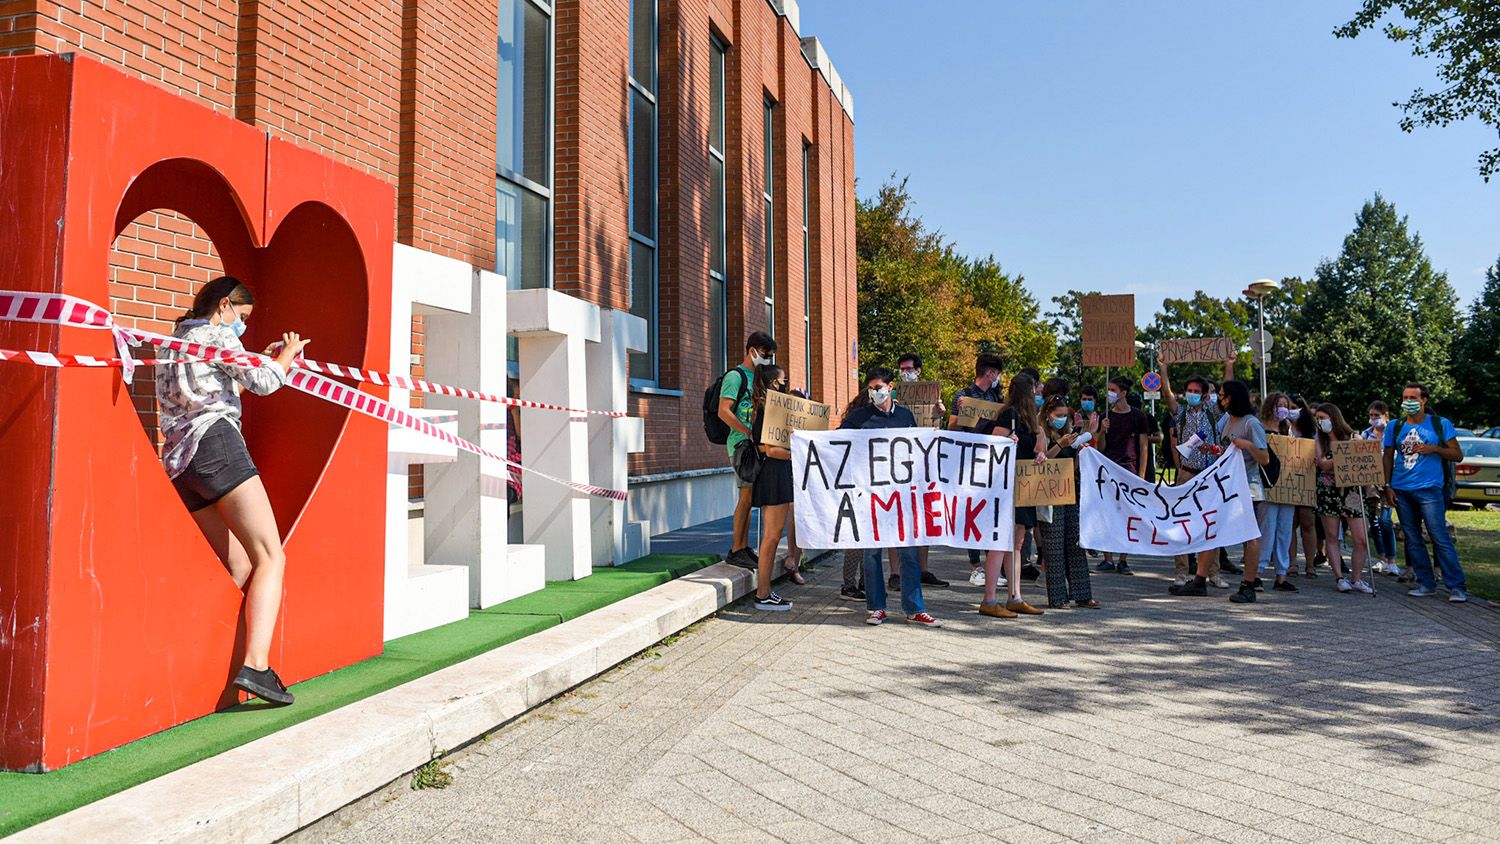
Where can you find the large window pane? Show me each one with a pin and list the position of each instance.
(643, 43)
(535, 95)
(643, 305)
(716, 215)
(643, 166)
(718, 347)
(716, 97)
(524, 75)
(522, 218)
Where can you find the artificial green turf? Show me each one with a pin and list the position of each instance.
(27, 799)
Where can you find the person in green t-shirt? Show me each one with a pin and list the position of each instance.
(736, 409)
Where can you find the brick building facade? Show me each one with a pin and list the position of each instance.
(616, 150)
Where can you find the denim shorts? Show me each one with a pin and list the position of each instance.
(220, 463)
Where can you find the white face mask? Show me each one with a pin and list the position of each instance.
(1325, 425)
(1294, 413)
(1113, 396)
(759, 361)
(909, 375)
(880, 395)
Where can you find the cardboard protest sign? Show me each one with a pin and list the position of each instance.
(1045, 483)
(1121, 513)
(1108, 329)
(929, 415)
(970, 410)
(787, 413)
(1195, 350)
(903, 487)
(1358, 463)
(917, 392)
(1298, 481)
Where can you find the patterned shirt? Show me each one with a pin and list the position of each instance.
(1203, 422)
(193, 396)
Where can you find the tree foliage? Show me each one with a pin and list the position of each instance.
(1464, 37)
(917, 293)
(1476, 356)
(1372, 320)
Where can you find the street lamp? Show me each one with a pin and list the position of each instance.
(1259, 290)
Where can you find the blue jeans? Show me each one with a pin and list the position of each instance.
(1419, 508)
(1276, 524)
(1385, 533)
(911, 580)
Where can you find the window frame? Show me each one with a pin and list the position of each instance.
(633, 89)
(718, 276)
(768, 118)
(807, 161)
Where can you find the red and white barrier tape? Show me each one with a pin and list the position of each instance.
(58, 309)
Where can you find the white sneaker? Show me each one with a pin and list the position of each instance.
(1179, 580)
(1343, 585)
(1393, 570)
(976, 577)
(1001, 582)
(1218, 582)
(1361, 586)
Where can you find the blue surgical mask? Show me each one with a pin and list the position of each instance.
(1194, 399)
(1039, 401)
(238, 326)
(1113, 397)
(1059, 422)
(1087, 404)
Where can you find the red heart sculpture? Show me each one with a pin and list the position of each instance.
(125, 622)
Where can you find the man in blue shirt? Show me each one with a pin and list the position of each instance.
(1415, 449)
(883, 412)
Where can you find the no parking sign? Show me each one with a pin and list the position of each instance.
(1151, 382)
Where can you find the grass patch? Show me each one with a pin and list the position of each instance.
(1479, 549)
(431, 775)
(27, 799)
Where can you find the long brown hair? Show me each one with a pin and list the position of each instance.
(1053, 403)
(1021, 397)
(1341, 430)
(1268, 418)
(209, 296)
(765, 377)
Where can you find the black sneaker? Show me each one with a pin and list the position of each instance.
(1284, 586)
(263, 684)
(852, 593)
(1124, 568)
(1260, 585)
(1107, 565)
(744, 558)
(1245, 595)
(1193, 588)
(773, 603)
(1230, 568)
(1030, 573)
(893, 582)
(930, 579)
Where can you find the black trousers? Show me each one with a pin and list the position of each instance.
(1067, 568)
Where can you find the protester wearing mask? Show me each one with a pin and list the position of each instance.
(1020, 422)
(736, 409)
(1125, 442)
(909, 369)
(771, 490)
(986, 387)
(1338, 504)
(1300, 425)
(1031, 548)
(1375, 506)
(1086, 420)
(1240, 429)
(883, 412)
(1192, 415)
(1067, 569)
(1416, 480)
(1277, 520)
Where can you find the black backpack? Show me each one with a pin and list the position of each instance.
(1450, 481)
(714, 427)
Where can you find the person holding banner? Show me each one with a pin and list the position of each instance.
(771, 490)
(909, 368)
(1020, 422)
(1067, 568)
(1276, 519)
(883, 412)
(1338, 504)
(1241, 429)
(1126, 434)
(211, 469)
(986, 387)
(1377, 512)
(1193, 443)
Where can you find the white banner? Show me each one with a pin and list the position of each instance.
(1126, 515)
(903, 486)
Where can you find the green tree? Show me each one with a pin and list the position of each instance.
(1374, 319)
(918, 294)
(1464, 37)
(1205, 316)
(1476, 356)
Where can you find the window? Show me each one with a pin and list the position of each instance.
(717, 265)
(770, 217)
(641, 90)
(523, 161)
(807, 262)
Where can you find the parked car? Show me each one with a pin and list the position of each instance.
(1463, 432)
(1492, 433)
(1478, 474)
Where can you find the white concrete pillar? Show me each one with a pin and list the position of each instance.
(612, 440)
(551, 329)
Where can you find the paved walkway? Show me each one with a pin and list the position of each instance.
(1307, 717)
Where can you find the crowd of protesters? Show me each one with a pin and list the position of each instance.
(1049, 419)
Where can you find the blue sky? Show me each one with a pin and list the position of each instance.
(1154, 147)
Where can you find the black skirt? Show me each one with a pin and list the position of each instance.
(773, 486)
(1026, 517)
